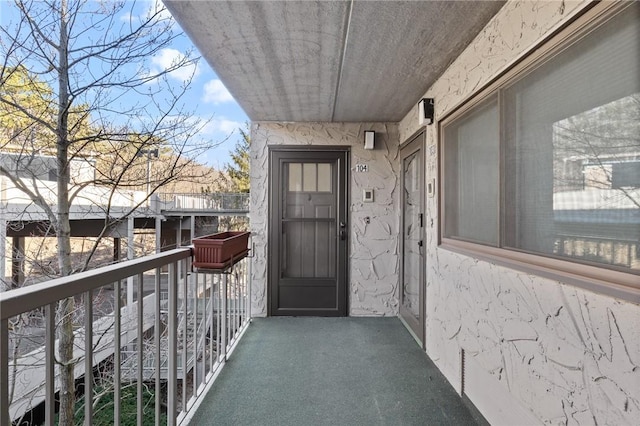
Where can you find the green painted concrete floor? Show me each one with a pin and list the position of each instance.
(330, 371)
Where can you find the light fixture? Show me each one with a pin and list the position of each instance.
(425, 111)
(369, 139)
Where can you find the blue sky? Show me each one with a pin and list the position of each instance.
(207, 96)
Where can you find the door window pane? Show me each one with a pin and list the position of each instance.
(295, 177)
(309, 177)
(324, 177)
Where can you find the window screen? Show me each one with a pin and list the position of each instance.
(568, 135)
(472, 175)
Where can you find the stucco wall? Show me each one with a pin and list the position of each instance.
(567, 355)
(373, 266)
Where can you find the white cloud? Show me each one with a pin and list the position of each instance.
(158, 6)
(221, 125)
(222, 133)
(169, 57)
(154, 6)
(227, 126)
(127, 17)
(215, 93)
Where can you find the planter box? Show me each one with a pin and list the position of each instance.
(218, 251)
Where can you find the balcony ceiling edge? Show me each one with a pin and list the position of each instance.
(330, 61)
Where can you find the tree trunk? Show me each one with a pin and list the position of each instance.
(67, 98)
(65, 307)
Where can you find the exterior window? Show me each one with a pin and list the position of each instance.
(472, 154)
(553, 168)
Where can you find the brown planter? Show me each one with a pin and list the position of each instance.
(218, 251)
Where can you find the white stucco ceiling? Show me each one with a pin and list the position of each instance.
(330, 60)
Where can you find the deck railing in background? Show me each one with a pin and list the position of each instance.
(164, 352)
(225, 202)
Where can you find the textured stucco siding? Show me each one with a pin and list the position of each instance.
(373, 247)
(567, 355)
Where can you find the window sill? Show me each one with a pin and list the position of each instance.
(612, 283)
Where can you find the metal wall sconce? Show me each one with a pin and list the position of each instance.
(426, 111)
(369, 139)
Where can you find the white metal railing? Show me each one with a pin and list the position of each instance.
(175, 345)
(231, 202)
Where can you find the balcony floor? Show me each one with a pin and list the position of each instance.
(330, 371)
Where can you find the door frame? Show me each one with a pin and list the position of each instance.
(277, 153)
(415, 143)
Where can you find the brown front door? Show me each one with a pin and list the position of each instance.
(308, 233)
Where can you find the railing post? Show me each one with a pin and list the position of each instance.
(3, 237)
(117, 359)
(158, 229)
(220, 330)
(236, 300)
(130, 255)
(238, 297)
(4, 372)
(196, 337)
(158, 354)
(243, 291)
(224, 299)
(50, 365)
(140, 346)
(250, 280)
(185, 332)
(215, 323)
(88, 358)
(172, 390)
